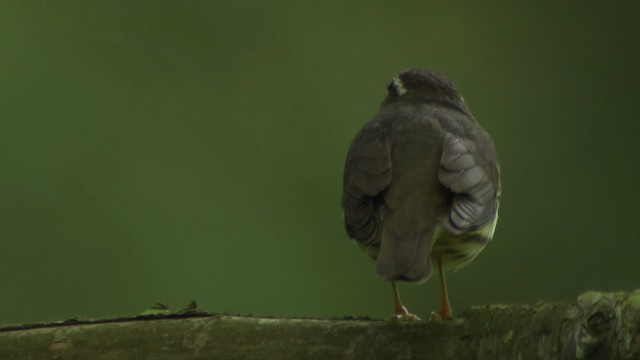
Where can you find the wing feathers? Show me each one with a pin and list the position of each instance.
(367, 173)
(462, 172)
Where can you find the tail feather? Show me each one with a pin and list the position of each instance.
(405, 259)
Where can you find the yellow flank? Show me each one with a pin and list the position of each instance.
(456, 251)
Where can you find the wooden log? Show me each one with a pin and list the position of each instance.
(596, 326)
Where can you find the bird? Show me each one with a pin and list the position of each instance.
(421, 185)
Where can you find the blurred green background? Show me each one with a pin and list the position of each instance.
(167, 150)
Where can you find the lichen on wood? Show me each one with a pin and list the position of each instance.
(596, 326)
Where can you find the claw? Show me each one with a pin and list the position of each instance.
(434, 316)
(405, 317)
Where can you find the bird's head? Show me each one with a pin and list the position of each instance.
(424, 85)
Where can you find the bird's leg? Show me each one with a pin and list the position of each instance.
(401, 312)
(445, 312)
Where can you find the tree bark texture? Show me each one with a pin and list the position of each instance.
(596, 326)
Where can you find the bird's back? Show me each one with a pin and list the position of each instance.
(421, 181)
(415, 201)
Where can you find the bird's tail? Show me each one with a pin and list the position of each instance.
(405, 258)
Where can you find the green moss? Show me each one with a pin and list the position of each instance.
(508, 336)
(634, 299)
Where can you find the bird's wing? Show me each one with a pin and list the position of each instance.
(367, 173)
(470, 170)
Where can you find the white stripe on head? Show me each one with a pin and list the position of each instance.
(397, 83)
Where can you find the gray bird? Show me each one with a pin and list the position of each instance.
(421, 184)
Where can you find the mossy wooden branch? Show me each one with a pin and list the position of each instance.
(596, 326)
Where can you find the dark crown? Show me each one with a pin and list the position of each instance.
(426, 84)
